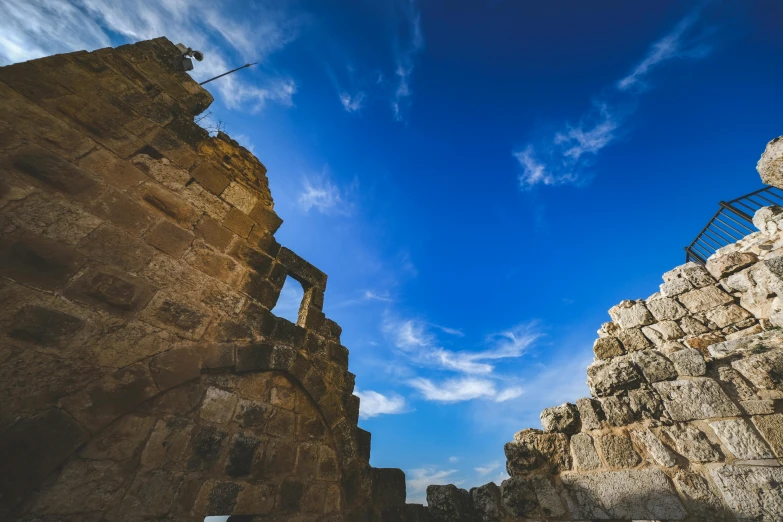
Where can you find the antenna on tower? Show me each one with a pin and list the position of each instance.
(229, 72)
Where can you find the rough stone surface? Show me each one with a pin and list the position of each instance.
(752, 493)
(688, 362)
(563, 418)
(699, 398)
(617, 450)
(664, 309)
(771, 428)
(449, 503)
(725, 265)
(654, 366)
(739, 437)
(631, 314)
(657, 451)
(583, 452)
(703, 299)
(608, 377)
(692, 443)
(627, 494)
(590, 413)
(764, 370)
(607, 347)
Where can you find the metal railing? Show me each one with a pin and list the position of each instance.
(731, 223)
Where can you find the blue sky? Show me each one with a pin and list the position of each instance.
(481, 180)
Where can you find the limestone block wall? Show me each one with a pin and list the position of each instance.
(685, 417)
(142, 374)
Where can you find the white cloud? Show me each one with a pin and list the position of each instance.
(564, 157)
(489, 468)
(452, 460)
(320, 193)
(35, 28)
(352, 103)
(373, 404)
(371, 295)
(418, 479)
(462, 389)
(410, 45)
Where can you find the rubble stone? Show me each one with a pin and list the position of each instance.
(631, 314)
(563, 418)
(688, 362)
(698, 398)
(583, 452)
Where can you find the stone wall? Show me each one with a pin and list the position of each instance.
(685, 418)
(142, 374)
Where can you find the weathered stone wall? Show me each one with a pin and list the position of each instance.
(685, 421)
(142, 374)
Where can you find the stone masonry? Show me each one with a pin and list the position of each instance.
(142, 374)
(685, 421)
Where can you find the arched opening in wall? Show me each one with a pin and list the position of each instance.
(290, 300)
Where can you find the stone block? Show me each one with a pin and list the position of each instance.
(239, 197)
(692, 326)
(265, 217)
(617, 450)
(486, 502)
(703, 299)
(583, 452)
(110, 290)
(174, 367)
(123, 212)
(607, 347)
(168, 204)
(704, 341)
(328, 468)
(177, 314)
(364, 443)
(241, 450)
(38, 262)
(740, 438)
(770, 165)
(112, 246)
(449, 503)
(666, 309)
(633, 340)
(609, 377)
(645, 403)
(617, 494)
(631, 314)
(48, 215)
(221, 267)
(753, 343)
(44, 326)
(211, 176)
(702, 502)
(758, 406)
(120, 441)
(563, 418)
(388, 486)
(34, 447)
(255, 500)
(771, 428)
(723, 266)
(213, 233)
(688, 362)
(692, 443)
(532, 449)
(106, 166)
(698, 398)
(752, 493)
(729, 314)
(764, 370)
(590, 413)
(51, 172)
(112, 396)
(258, 288)
(238, 223)
(675, 287)
(654, 366)
(169, 238)
(301, 270)
(660, 333)
(658, 453)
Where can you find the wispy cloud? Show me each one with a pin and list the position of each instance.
(352, 103)
(565, 157)
(35, 28)
(418, 479)
(322, 194)
(409, 45)
(489, 468)
(463, 389)
(452, 460)
(373, 404)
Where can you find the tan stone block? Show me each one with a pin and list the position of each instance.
(51, 172)
(240, 197)
(167, 204)
(266, 217)
(169, 238)
(122, 211)
(168, 144)
(256, 500)
(211, 176)
(214, 233)
(110, 290)
(771, 428)
(205, 202)
(179, 315)
(218, 406)
(114, 247)
(52, 217)
(238, 223)
(216, 265)
(153, 164)
(703, 299)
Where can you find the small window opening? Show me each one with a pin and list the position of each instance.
(290, 300)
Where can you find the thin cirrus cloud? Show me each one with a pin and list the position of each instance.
(476, 379)
(373, 404)
(489, 468)
(409, 44)
(418, 479)
(34, 28)
(563, 158)
(321, 194)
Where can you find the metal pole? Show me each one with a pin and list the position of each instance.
(229, 72)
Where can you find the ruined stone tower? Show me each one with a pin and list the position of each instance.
(142, 374)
